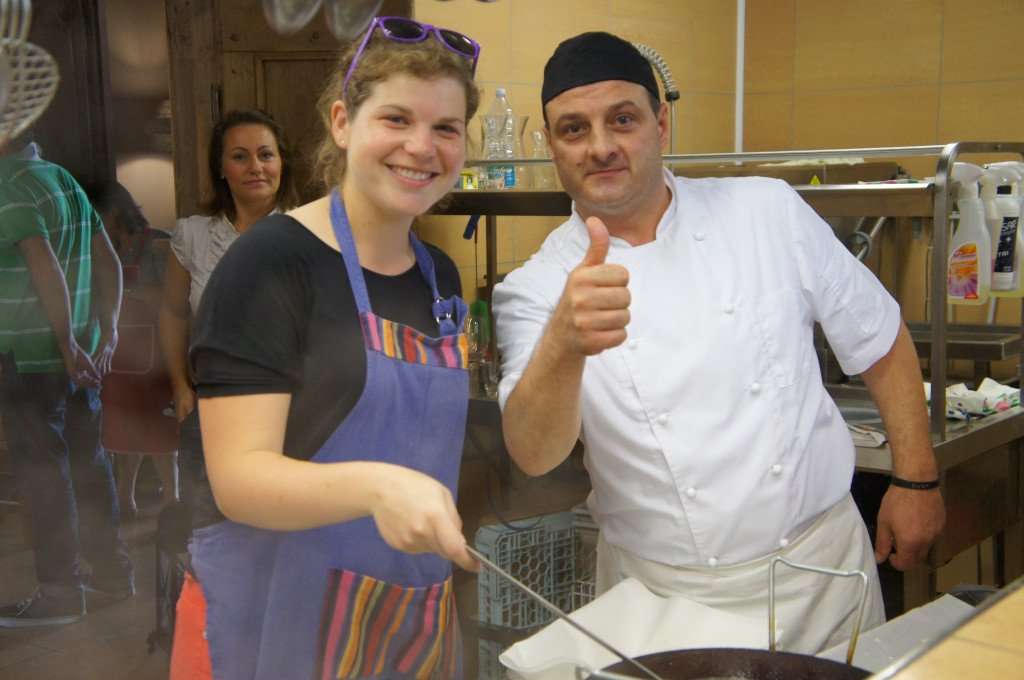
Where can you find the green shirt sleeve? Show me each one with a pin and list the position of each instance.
(19, 218)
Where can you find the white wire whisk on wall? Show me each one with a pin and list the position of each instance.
(28, 74)
(15, 19)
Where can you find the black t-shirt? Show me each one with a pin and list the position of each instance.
(278, 316)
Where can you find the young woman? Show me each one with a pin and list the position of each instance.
(330, 368)
(251, 170)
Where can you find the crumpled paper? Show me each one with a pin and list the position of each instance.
(636, 622)
(866, 437)
(990, 397)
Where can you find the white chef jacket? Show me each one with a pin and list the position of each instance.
(710, 438)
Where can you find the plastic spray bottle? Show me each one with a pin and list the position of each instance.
(1002, 213)
(1003, 194)
(969, 268)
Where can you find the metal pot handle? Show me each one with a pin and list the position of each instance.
(852, 647)
(583, 673)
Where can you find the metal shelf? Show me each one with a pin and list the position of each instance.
(835, 200)
(975, 342)
(828, 200)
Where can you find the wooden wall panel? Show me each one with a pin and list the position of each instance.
(196, 75)
(239, 81)
(704, 122)
(75, 130)
(287, 87)
(963, 116)
(770, 45)
(244, 29)
(865, 117)
(768, 121)
(871, 43)
(981, 40)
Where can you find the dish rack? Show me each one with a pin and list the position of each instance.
(552, 554)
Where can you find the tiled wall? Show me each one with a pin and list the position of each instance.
(819, 74)
(883, 73)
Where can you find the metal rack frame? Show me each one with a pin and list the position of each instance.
(829, 200)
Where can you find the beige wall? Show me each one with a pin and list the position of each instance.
(883, 73)
(819, 74)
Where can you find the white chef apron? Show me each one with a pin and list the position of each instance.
(814, 611)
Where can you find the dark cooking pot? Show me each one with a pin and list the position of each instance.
(745, 664)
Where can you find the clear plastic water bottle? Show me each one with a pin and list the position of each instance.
(543, 173)
(499, 141)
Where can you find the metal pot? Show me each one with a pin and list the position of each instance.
(748, 664)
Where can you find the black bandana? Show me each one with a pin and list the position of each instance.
(591, 58)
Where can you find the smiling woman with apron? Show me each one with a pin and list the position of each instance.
(334, 558)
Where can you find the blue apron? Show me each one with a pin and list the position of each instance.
(336, 601)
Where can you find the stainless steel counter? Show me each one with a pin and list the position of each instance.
(965, 440)
(981, 471)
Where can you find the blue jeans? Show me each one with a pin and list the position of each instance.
(63, 474)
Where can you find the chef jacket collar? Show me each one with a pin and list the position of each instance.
(663, 230)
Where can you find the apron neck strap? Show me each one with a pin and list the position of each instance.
(446, 312)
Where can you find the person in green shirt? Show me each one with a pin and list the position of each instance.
(60, 295)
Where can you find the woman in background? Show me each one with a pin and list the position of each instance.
(331, 371)
(251, 170)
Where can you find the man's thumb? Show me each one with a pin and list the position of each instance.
(599, 242)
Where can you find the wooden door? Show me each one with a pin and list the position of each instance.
(224, 56)
(74, 131)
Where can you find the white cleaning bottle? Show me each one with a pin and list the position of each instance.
(1003, 194)
(1002, 213)
(969, 270)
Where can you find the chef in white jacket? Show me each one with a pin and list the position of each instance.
(668, 323)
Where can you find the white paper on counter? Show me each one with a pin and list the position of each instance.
(635, 621)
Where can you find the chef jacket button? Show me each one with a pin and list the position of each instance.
(712, 561)
(776, 469)
(729, 309)
(698, 235)
(632, 344)
(663, 418)
(783, 543)
(755, 387)
(691, 492)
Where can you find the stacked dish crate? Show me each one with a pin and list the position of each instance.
(553, 555)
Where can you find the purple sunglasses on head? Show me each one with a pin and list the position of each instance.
(405, 30)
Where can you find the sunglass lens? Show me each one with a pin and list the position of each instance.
(403, 29)
(458, 42)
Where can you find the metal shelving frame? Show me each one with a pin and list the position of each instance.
(829, 200)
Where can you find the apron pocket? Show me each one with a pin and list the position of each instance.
(374, 629)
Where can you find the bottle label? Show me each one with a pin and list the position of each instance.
(496, 177)
(963, 272)
(1006, 247)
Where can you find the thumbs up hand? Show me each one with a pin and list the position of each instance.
(593, 311)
